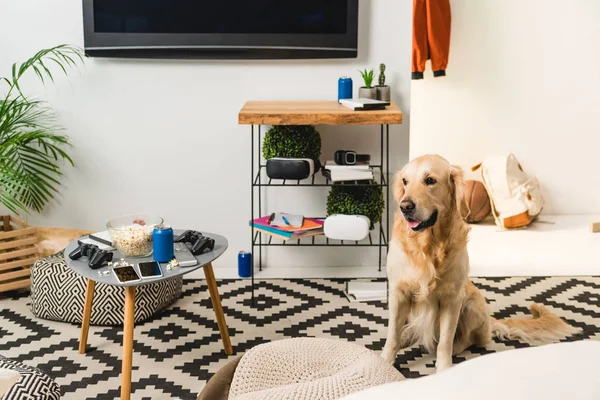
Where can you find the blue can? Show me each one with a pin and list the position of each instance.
(162, 243)
(344, 88)
(244, 264)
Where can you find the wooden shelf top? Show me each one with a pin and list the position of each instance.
(327, 112)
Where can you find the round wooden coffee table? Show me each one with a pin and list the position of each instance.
(205, 260)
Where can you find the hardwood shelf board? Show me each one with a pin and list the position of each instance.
(324, 112)
(17, 233)
(18, 273)
(15, 244)
(16, 284)
(17, 263)
(18, 253)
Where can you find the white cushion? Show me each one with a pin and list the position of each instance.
(8, 378)
(552, 372)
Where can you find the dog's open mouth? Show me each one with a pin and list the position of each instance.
(417, 225)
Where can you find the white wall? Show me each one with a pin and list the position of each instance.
(523, 77)
(127, 117)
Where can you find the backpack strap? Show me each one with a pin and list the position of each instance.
(494, 211)
(487, 188)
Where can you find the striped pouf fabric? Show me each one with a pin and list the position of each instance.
(58, 293)
(33, 384)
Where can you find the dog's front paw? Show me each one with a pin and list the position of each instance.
(441, 365)
(388, 356)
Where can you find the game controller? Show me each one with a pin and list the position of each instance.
(199, 243)
(96, 256)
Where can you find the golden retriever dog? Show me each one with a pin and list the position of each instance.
(431, 301)
(53, 240)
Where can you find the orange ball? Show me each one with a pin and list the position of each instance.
(478, 200)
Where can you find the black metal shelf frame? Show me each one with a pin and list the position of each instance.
(316, 180)
(321, 241)
(377, 237)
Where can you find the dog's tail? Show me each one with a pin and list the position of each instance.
(543, 328)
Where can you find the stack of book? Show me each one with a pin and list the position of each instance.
(362, 104)
(359, 291)
(309, 227)
(341, 173)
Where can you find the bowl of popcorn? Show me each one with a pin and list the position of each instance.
(132, 234)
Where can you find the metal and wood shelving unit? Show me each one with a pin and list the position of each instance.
(259, 113)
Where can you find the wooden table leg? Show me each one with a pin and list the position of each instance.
(216, 302)
(127, 343)
(87, 313)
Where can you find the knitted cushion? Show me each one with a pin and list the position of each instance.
(58, 293)
(33, 385)
(308, 369)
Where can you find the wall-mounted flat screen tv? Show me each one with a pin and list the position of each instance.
(221, 28)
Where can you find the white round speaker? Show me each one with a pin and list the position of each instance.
(346, 227)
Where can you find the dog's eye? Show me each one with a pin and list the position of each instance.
(429, 181)
(404, 181)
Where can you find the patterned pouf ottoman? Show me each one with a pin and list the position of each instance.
(58, 293)
(300, 368)
(33, 383)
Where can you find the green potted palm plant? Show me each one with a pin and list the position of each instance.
(367, 91)
(33, 148)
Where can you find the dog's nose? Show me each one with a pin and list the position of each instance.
(407, 206)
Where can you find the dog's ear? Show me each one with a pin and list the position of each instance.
(457, 178)
(398, 187)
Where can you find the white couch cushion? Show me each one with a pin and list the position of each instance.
(7, 379)
(551, 372)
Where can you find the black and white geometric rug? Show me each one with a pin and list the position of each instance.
(177, 351)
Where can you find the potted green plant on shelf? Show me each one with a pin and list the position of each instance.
(292, 141)
(383, 90)
(356, 200)
(286, 148)
(367, 91)
(32, 147)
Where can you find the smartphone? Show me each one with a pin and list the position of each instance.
(126, 274)
(150, 269)
(184, 256)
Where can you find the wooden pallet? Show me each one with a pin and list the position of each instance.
(17, 253)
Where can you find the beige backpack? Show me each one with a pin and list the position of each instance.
(515, 198)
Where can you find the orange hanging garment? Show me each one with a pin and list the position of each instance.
(431, 36)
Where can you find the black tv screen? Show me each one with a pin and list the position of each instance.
(222, 28)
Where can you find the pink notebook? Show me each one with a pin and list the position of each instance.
(309, 223)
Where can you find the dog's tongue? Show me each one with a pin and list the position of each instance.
(413, 223)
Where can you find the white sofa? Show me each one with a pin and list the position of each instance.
(560, 371)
